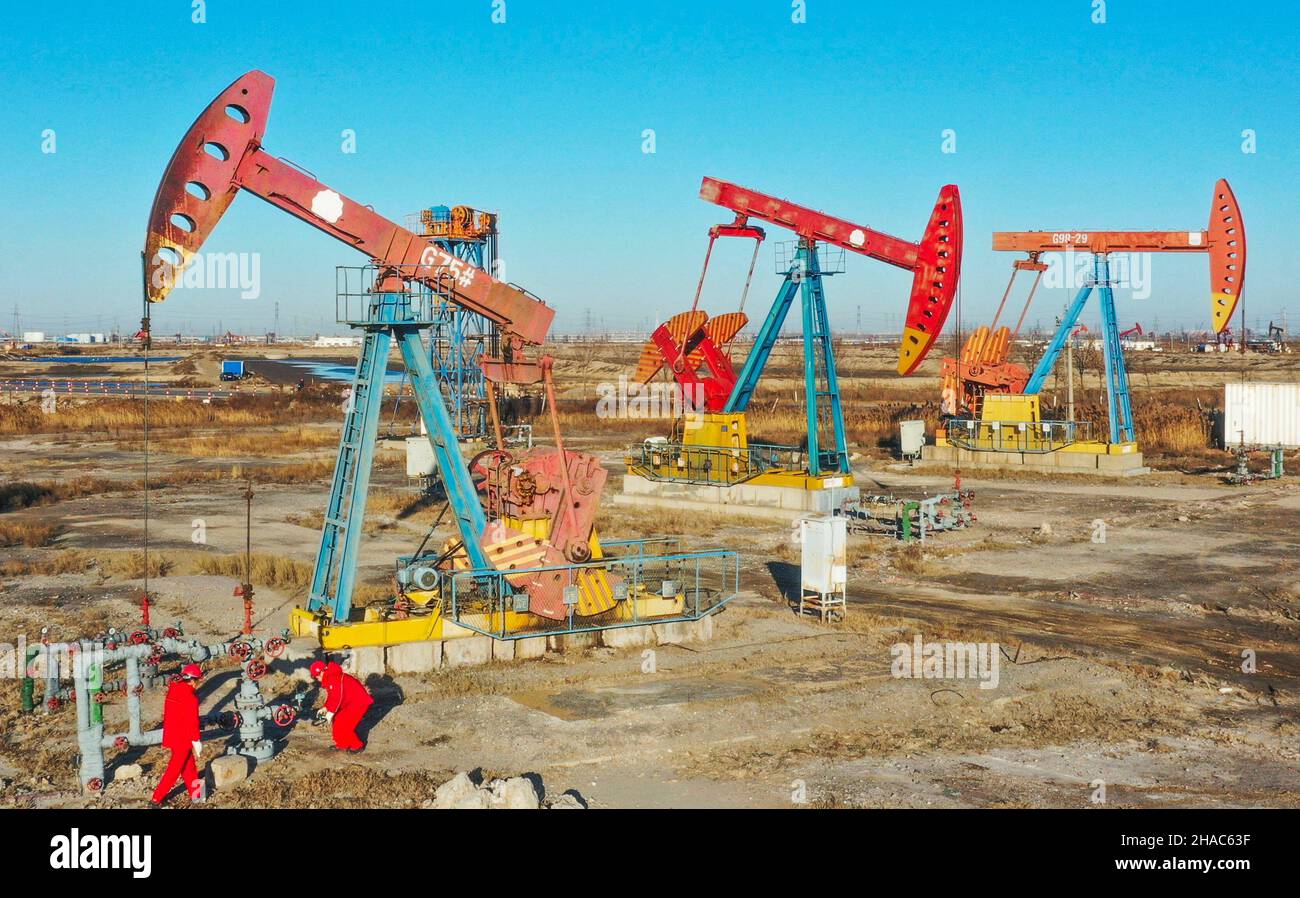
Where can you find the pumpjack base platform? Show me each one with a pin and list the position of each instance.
(429, 655)
(754, 499)
(1125, 463)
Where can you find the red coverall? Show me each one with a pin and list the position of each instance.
(180, 732)
(347, 699)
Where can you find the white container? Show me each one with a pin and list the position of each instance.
(1261, 414)
(33, 336)
(419, 457)
(911, 437)
(823, 568)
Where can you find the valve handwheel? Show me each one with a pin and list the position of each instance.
(256, 669)
(240, 650)
(95, 784)
(275, 647)
(120, 743)
(487, 461)
(171, 633)
(139, 637)
(284, 715)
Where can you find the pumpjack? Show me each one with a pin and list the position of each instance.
(527, 557)
(710, 444)
(1007, 419)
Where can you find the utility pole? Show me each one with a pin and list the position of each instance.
(1069, 377)
(1242, 300)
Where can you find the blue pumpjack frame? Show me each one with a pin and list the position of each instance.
(1118, 402)
(821, 382)
(389, 318)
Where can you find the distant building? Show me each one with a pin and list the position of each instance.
(33, 336)
(335, 342)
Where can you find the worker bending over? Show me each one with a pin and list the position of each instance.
(181, 734)
(346, 702)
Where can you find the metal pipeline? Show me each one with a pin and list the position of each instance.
(90, 659)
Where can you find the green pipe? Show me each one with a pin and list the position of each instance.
(29, 686)
(94, 686)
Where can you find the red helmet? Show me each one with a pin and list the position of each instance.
(317, 668)
(191, 672)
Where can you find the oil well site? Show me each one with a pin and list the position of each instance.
(1010, 544)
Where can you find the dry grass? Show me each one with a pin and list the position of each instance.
(350, 786)
(126, 416)
(123, 565)
(32, 534)
(24, 494)
(275, 571)
(272, 444)
(623, 520)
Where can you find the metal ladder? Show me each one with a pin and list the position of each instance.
(389, 317)
(335, 571)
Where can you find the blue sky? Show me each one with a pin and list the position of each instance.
(1060, 123)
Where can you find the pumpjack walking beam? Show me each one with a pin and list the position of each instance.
(936, 261)
(1225, 242)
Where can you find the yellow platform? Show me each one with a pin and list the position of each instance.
(713, 448)
(1012, 422)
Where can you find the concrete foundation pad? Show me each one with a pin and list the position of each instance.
(531, 647)
(503, 650)
(673, 633)
(1122, 465)
(572, 642)
(467, 651)
(414, 657)
(365, 660)
(296, 660)
(759, 500)
(702, 629)
(627, 637)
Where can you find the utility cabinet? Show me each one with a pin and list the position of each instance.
(911, 437)
(823, 570)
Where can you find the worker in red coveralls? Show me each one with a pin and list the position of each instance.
(181, 734)
(346, 702)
